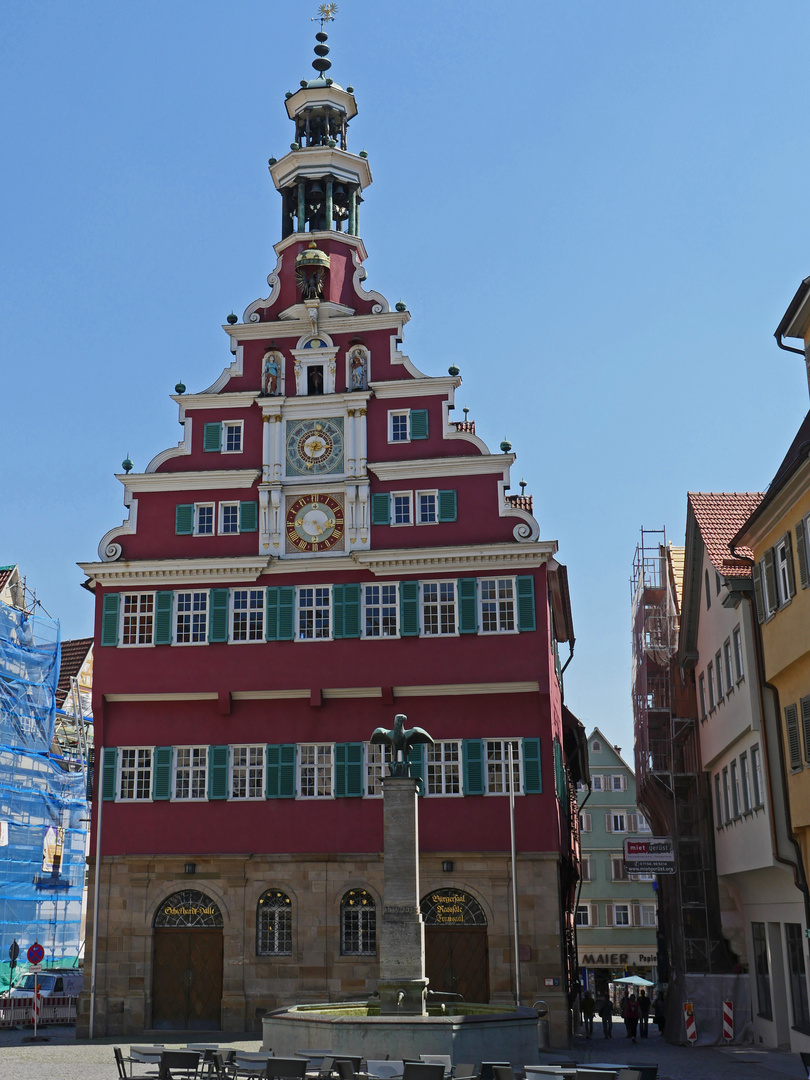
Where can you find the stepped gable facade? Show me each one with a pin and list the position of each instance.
(324, 548)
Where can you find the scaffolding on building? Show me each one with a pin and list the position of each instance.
(43, 792)
(672, 788)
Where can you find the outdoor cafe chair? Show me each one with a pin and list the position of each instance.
(222, 1064)
(250, 1064)
(420, 1070)
(384, 1070)
(145, 1055)
(279, 1068)
(626, 1073)
(438, 1059)
(119, 1061)
(503, 1072)
(464, 1072)
(179, 1064)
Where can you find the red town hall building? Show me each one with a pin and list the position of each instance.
(325, 547)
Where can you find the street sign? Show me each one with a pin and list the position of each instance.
(13, 951)
(35, 968)
(36, 953)
(654, 856)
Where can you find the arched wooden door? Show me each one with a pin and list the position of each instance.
(187, 963)
(456, 951)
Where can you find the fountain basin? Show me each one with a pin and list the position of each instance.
(470, 1033)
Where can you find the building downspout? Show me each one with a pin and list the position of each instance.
(787, 348)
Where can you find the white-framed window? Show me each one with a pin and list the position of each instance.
(585, 823)
(137, 618)
(718, 805)
(399, 428)
(618, 782)
(756, 775)
(585, 867)
(718, 667)
(621, 915)
(232, 436)
(314, 613)
(649, 915)
(739, 666)
(443, 765)
(710, 681)
(497, 752)
(402, 508)
(439, 608)
(229, 517)
(727, 665)
(377, 758)
(204, 519)
(596, 746)
(316, 770)
(702, 695)
(190, 773)
(782, 554)
(427, 507)
(496, 602)
(596, 782)
(134, 773)
(247, 772)
(745, 782)
(617, 870)
(735, 790)
(726, 797)
(643, 824)
(582, 917)
(191, 617)
(247, 614)
(380, 611)
(617, 823)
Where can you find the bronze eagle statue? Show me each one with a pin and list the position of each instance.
(400, 740)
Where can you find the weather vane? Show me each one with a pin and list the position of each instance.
(326, 13)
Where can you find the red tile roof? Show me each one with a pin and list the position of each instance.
(74, 654)
(720, 515)
(5, 574)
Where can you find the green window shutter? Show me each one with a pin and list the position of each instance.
(472, 752)
(416, 765)
(280, 613)
(337, 611)
(212, 436)
(801, 552)
(161, 772)
(351, 611)
(468, 605)
(218, 616)
(525, 602)
(218, 772)
(248, 516)
(163, 617)
(758, 593)
(108, 777)
(348, 770)
(109, 618)
(789, 564)
(794, 746)
(281, 771)
(532, 776)
(419, 423)
(448, 505)
(409, 609)
(380, 509)
(805, 706)
(271, 621)
(769, 576)
(184, 519)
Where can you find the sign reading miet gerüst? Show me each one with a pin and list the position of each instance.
(654, 856)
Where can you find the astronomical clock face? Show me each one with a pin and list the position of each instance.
(314, 447)
(315, 523)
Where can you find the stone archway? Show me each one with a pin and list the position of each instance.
(187, 962)
(456, 951)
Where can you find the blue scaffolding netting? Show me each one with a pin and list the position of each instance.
(43, 807)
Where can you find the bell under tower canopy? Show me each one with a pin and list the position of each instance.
(319, 181)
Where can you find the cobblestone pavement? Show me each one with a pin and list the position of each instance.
(63, 1058)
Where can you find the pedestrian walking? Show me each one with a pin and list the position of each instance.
(660, 1012)
(643, 1014)
(588, 1010)
(606, 1012)
(631, 1013)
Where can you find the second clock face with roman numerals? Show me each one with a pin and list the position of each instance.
(314, 447)
(314, 523)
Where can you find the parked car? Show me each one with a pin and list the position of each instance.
(50, 984)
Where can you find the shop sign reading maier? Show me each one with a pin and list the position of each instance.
(655, 856)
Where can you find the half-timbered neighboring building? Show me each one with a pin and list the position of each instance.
(325, 547)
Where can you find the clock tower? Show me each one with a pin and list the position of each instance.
(325, 547)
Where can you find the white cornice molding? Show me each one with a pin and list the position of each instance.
(191, 481)
(175, 572)
(182, 448)
(423, 386)
(233, 370)
(426, 690)
(251, 312)
(451, 559)
(322, 234)
(313, 162)
(350, 324)
(293, 408)
(796, 487)
(108, 550)
(237, 399)
(326, 310)
(448, 466)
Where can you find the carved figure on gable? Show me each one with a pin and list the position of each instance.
(310, 271)
(270, 375)
(357, 368)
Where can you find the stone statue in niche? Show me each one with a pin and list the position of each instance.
(310, 281)
(270, 375)
(357, 368)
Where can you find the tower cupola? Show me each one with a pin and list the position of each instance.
(319, 181)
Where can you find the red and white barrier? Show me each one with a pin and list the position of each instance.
(689, 1018)
(728, 1020)
(19, 1011)
(35, 1005)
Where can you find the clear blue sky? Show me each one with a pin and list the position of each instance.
(597, 210)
